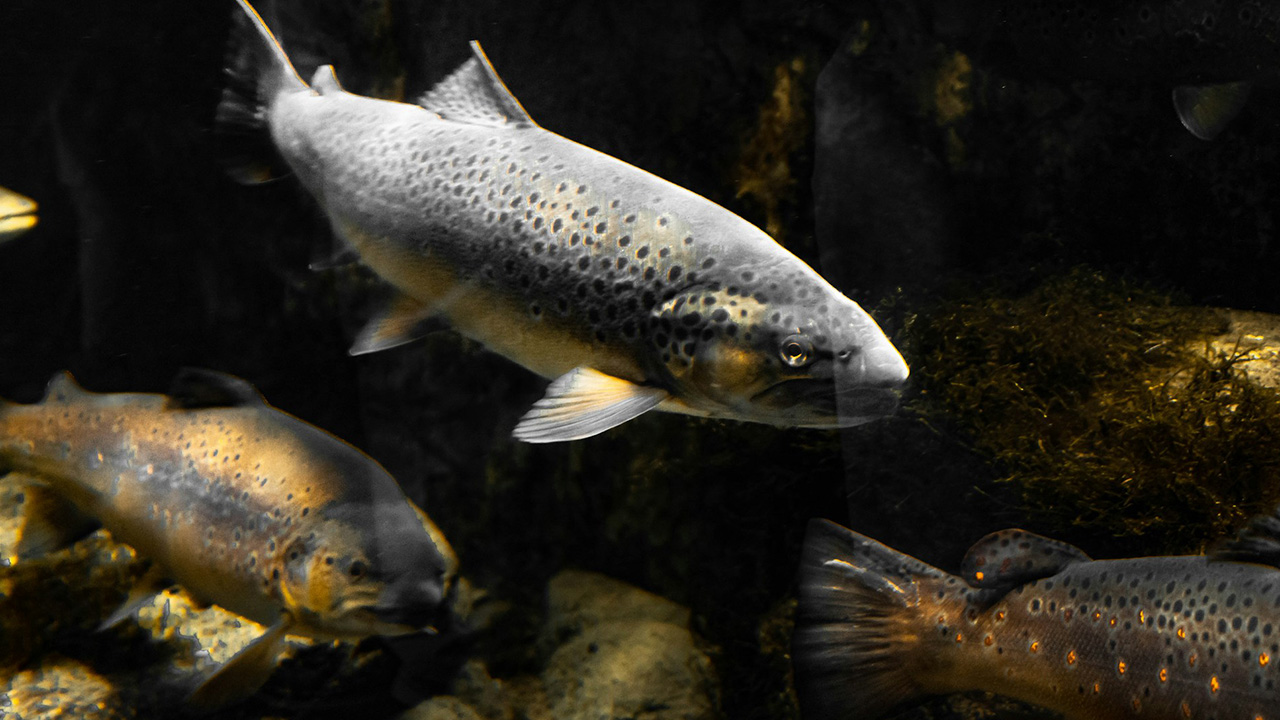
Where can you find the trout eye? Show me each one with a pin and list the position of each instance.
(796, 351)
(357, 570)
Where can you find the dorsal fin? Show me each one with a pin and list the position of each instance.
(1259, 542)
(325, 80)
(475, 94)
(1009, 558)
(199, 388)
(62, 388)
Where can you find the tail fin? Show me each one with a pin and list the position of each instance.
(258, 71)
(856, 625)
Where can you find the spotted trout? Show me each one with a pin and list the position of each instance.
(245, 506)
(1038, 620)
(632, 293)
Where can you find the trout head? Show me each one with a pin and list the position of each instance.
(814, 359)
(364, 570)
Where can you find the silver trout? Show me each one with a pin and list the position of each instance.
(632, 293)
(1035, 619)
(17, 214)
(245, 506)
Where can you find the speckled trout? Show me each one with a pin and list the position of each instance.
(1035, 619)
(632, 293)
(244, 505)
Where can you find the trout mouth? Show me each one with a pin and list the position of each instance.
(822, 403)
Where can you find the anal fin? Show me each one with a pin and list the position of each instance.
(244, 673)
(153, 582)
(585, 402)
(404, 320)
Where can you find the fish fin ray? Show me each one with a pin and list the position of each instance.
(585, 402)
(404, 320)
(475, 94)
(50, 523)
(855, 639)
(1205, 110)
(341, 257)
(1009, 558)
(242, 675)
(195, 388)
(63, 388)
(153, 582)
(257, 71)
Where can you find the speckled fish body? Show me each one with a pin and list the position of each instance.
(1036, 620)
(244, 505)
(1212, 51)
(562, 258)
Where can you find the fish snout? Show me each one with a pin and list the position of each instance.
(414, 605)
(877, 366)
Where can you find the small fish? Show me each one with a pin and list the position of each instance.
(1212, 52)
(1037, 620)
(244, 505)
(632, 293)
(17, 214)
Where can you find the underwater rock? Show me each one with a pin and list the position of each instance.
(61, 687)
(445, 707)
(628, 654)
(1253, 338)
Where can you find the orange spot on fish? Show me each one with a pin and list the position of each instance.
(1066, 615)
(1097, 688)
(1182, 633)
(1035, 646)
(999, 616)
(1191, 661)
(1071, 657)
(1142, 617)
(988, 640)
(1121, 667)
(1214, 684)
(979, 575)
(959, 637)
(1097, 616)
(1164, 674)
(1186, 709)
(1263, 659)
(1113, 621)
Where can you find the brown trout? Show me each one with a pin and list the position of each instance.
(17, 214)
(1036, 619)
(245, 506)
(1211, 52)
(633, 293)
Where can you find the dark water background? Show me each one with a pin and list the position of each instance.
(147, 258)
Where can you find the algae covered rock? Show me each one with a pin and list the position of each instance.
(628, 654)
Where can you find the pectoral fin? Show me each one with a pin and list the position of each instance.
(403, 320)
(50, 522)
(585, 402)
(1206, 109)
(244, 673)
(153, 582)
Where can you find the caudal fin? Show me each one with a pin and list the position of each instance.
(258, 71)
(857, 626)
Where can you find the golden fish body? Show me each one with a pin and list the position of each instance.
(244, 505)
(1036, 620)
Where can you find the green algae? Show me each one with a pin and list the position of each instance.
(1100, 401)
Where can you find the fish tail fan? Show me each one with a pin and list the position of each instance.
(857, 625)
(258, 72)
